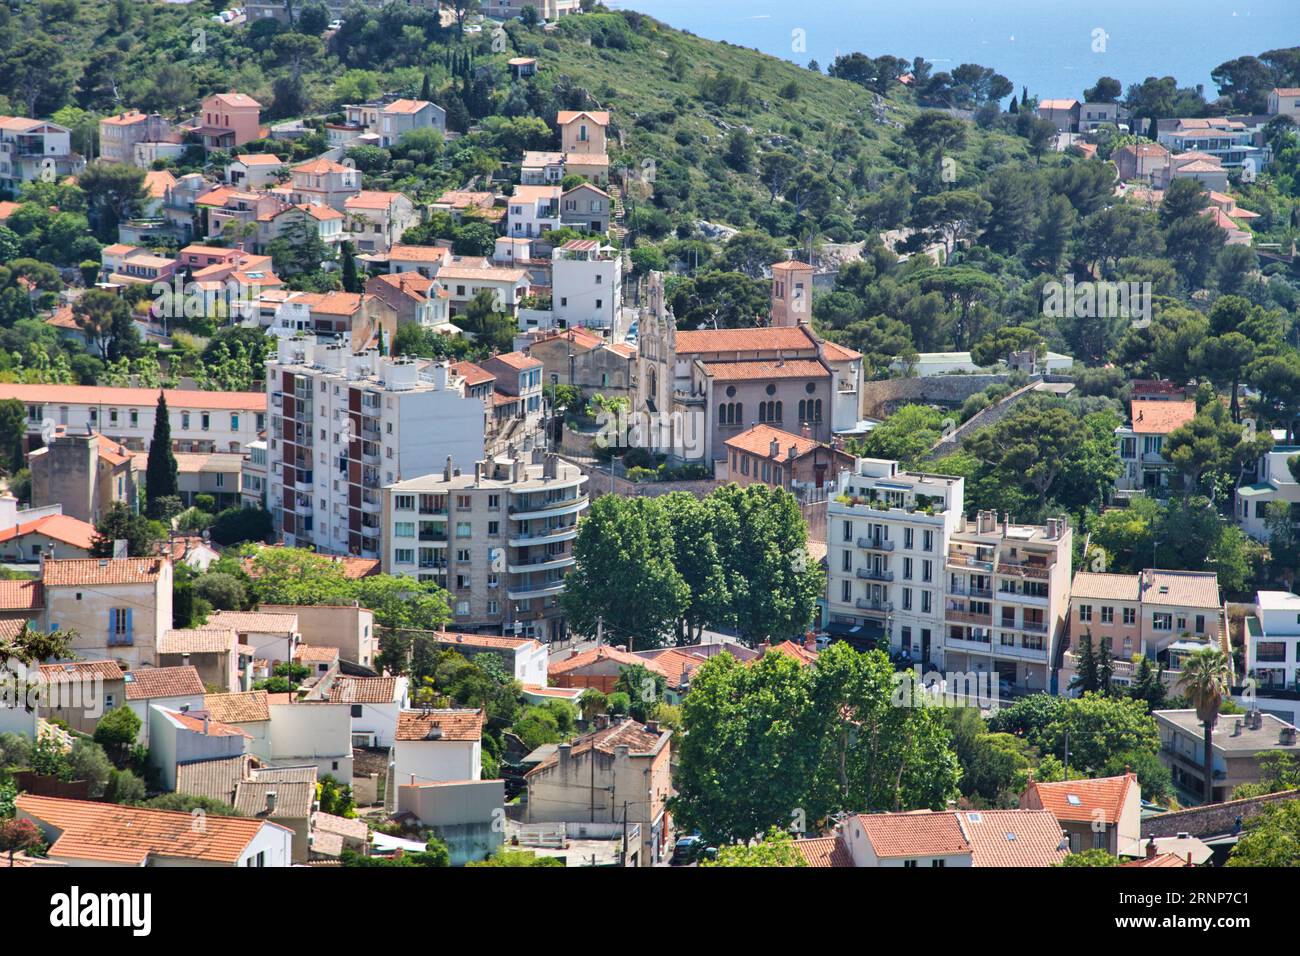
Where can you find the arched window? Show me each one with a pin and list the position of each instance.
(779, 411)
(817, 410)
(762, 411)
(740, 413)
(803, 410)
(722, 414)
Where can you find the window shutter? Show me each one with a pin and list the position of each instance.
(130, 636)
(112, 625)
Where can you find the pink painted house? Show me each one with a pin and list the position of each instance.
(229, 120)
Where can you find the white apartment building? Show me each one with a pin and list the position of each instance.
(1273, 642)
(586, 284)
(344, 425)
(201, 421)
(887, 534)
(499, 539)
(253, 485)
(1015, 632)
(533, 210)
(32, 149)
(1273, 482)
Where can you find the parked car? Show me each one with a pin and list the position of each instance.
(336, 25)
(691, 849)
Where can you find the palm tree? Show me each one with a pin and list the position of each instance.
(1204, 682)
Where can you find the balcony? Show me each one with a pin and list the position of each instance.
(528, 510)
(1019, 652)
(959, 559)
(880, 607)
(542, 563)
(562, 533)
(875, 574)
(978, 593)
(963, 616)
(526, 592)
(875, 544)
(1022, 570)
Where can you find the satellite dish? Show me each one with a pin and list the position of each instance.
(49, 427)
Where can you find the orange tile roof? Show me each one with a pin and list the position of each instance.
(157, 182)
(602, 653)
(486, 640)
(678, 665)
(315, 655)
(88, 572)
(317, 167)
(65, 528)
(449, 724)
(404, 253)
(150, 682)
(1013, 837)
(234, 99)
(747, 371)
(8, 208)
(894, 835)
(260, 622)
(144, 397)
(743, 340)
(1160, 417)
(405, 106)
(1080, 801)
(472, 374)
(21, 596)
(1160, 860)
(758, 441)
(793, 649)
(74, 672)
(517, 360)
(824, 852)
(372, 199)
(600, 117)
(259, 159)
(637, 737)
(364, 690)
(112, 833)
(213, 728)
(839, 353)
(199, 640)
(242, 708)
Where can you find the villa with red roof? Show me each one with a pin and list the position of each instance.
(1140, 444)
(1099, 814)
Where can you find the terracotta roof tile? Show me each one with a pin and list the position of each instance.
(1080, 801)
(364, 690)
(1013, 837)
(240, 708)
(601, 653)
(199, 640)
(143, 397)
(74, 672)
(637, 737)
(894, 835)
(151, 682)
(250, 622)
(762, 370)
(824, 852)
(85, 572)
(214, 779)
(743, 340)
(758, 441)
(486, 640)
(111, 833)
(21, 595)
(447, 724)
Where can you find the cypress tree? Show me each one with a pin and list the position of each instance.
(1085, 672)
(160, 479)
(424, 88)
(1105, 667)
(351, 281)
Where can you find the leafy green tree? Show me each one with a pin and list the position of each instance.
(508, 857)
(1032, 446)
(624, 576)
(142, 536)
(161, 476)
(644, 688)
(1098, 727)
(117, 730)
(13, 434)
(905, 436)
(1089, 858)
(776, 848)
(698, 558)
(1271, 837)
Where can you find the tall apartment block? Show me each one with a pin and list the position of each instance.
(887, 537)
(1008, 597)
(499, 539)
(907, 568)
(343, 425)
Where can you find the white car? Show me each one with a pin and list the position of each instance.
(336, 25)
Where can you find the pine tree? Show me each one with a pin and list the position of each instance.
(1014, 108)
(424, 88)
(160, 481)
(1085, 668)
(1105, 667)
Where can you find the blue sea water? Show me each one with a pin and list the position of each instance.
(1055, 47)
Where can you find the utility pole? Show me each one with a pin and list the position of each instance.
(622, 857)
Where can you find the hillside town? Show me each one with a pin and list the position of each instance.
(534, 436)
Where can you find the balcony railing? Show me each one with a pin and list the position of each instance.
(875, 544)
(1025, 570)
(866, 604)
(968, 617)
(875, 574)
(961, 560)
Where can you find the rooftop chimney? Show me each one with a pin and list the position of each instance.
(270, 803)
(1151, 848)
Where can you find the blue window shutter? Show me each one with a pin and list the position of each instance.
(130, 635)
(112, 625)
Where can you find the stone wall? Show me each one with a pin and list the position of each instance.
(882, 398)
(951, 442)
(1213, 820)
